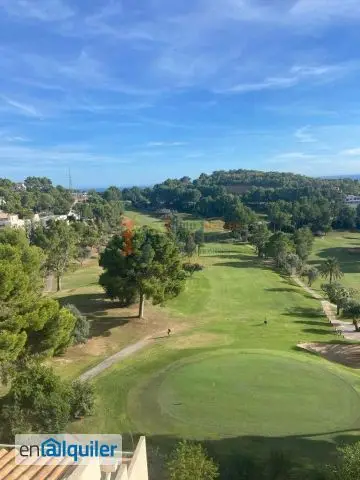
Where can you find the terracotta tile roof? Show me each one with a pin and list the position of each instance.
(38, 470)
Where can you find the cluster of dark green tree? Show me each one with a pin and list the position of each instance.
(291, 201)
(289, 251)
(189, 461)
(39, 401)
(33, 328)
(274, 180)
(64, 243)
(185, 196)
(188, 240)
(103, 210)
(40, 196)
(319, 213)
(142, 264)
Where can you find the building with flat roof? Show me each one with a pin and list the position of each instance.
(352, 199)
(11, 220)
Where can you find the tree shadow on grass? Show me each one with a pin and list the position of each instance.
(101, 325)
(350, 262)
(305, 312)
(284, 289)
(316, 331)
(313, 322)
(242, 457)
(211, 237)
(242, 264)
(295, 289)
(87, 302)
(96, 307)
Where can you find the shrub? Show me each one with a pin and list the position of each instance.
(190, 461)
(191, 268)
(81, 330)
(82, 399)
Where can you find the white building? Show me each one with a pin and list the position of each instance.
(11, 220)
(45, 219)
(21, 187)
(352, 199)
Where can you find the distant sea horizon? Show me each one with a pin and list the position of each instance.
(353, 177)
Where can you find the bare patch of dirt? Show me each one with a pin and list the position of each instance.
(198, 340)
(115, 328)
(61, 360)
(348, 355)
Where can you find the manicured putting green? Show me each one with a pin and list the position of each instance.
(252, 394)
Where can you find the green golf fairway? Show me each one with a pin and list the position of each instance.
(248, 394)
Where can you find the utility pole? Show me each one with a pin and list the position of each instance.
(70, 181)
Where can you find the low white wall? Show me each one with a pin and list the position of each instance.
(122, 473)
(86, 472)
(138, 469)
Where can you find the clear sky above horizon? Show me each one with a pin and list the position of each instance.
(128, 92)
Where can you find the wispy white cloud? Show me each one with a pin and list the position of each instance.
(42, 10)
(300, 109)
(321, 11)
(69, 73)
(295, 156)
(57, 156)
(304, 135)
(22, 108)
(268, 83)
(8, 137)
(352, 152)
(15, 139)
(294, 76)
(165, 144)
(195, 155)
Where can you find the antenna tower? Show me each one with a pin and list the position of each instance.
(70, 181)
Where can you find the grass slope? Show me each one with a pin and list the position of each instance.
(223, 377)
(250, 392)
(340, 245)
(302, 404)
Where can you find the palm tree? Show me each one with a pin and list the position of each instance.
(331, 268)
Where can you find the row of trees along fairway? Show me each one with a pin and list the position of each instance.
(290, 253)
(33, 328)
(142, 263)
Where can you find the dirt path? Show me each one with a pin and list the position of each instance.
(346, 329)
(124, 353)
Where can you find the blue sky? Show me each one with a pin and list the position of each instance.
(127, 92)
